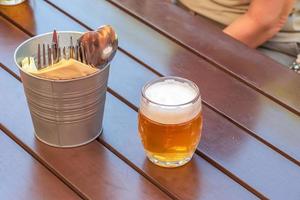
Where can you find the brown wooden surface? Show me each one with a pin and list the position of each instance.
(22, 177)
(203, 38)
(136, 76)
(97, 168)
(244, 153)
(227, 187)
(249, 104)
(165, 57)
(91, 170)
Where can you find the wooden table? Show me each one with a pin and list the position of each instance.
(250, 147)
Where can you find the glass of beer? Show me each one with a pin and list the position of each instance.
(10, 2)
(170, 120)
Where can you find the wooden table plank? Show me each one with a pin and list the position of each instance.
(22, 177)
(233, 167)
(10, 38)
(197, 33)
(35, 19)
(223, 142)
(226, 144)
(250, 161)
(135, 41)
(96, 172)
(251, 110)
(200, 159)
(92, 170)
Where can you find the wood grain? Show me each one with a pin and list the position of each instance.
(22, 177)
(92, 170)
(250, 161)
(131, 88)
(97, 173)
(202, 37)
(35, 19)
(237, 101)
(251, 110)
(10, 38)
(206, 166)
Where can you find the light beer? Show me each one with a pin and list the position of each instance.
(170, 120)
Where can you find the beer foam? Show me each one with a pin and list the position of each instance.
(170, 92)
(168, 100)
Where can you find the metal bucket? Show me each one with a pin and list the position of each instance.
(65, 113)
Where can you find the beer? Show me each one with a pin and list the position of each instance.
(170, 120)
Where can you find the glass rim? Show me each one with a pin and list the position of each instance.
(148, 84)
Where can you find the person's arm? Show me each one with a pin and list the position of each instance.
(262, 21)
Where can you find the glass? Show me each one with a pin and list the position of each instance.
(170, 120)
(10, 2)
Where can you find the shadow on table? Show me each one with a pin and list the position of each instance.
(185, 180)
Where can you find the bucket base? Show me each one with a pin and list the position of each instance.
(68, 146)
